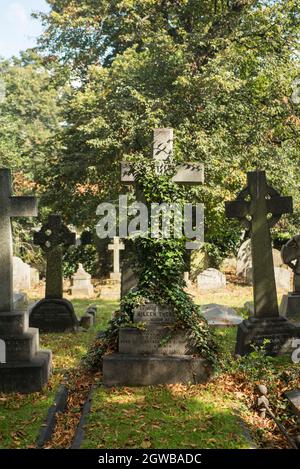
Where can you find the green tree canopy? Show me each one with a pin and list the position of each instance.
(219, 72)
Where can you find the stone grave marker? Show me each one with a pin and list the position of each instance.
(82, 285)
(294, 399)
(27, 368)
(259, 207)
(116, 247)
(190, 173)
(54, 313)
(155, 353)
(211, 279)
(290, 305)
(220, 315)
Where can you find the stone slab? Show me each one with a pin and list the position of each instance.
(21, 274)
(140, 370)
(220, 315)
(23, 347)
(152, 313)
(294, 399)
(211, 279)
(51, 315)
(129, 280)
(115, 276)
(26, 377)
(83, 292)
(290, 307)
(13, 323)
(255, 330)
(154, 339)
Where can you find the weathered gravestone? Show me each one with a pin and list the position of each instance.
(82, 285)
(54, 313)
(258, 208)
(211, 279)
(220, 315)
(116, 247)
(27, 368)
(24, 277)
(155, 353)
(290, 305)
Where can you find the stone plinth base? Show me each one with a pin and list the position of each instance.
(83, 293)
(142, 370)
(53, 315)
(26, 377)
(290, 306)
(116, 276)
(255, 330)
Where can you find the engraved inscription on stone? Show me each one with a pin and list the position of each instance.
(154, 339)
(153, 313)
(278, 344)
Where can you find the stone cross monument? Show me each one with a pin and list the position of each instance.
(141, 357)
(190, 174)
(54, 314)
(26, 369)
(259, 207)
(54, 238)
(116, 247)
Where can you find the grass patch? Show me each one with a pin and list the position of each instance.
(22, 415)
(173, 417)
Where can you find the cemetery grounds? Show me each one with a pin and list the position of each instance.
(220, 414)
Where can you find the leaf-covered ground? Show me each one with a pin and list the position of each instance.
(204, 416)
(21, 416)
(173, 416)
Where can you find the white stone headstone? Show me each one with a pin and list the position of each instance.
(82, 285)
(21, 275)
(211, 279)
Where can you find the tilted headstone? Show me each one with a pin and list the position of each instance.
(27, 368)
(54, 313)
(259, 207)
(290, 305)
(220, 315)
(116, 247)
(155, 353)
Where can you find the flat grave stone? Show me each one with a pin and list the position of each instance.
(220, 315)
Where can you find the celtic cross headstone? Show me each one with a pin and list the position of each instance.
(259, 207)
(54, 313)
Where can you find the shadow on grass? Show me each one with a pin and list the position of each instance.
(163, 417)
